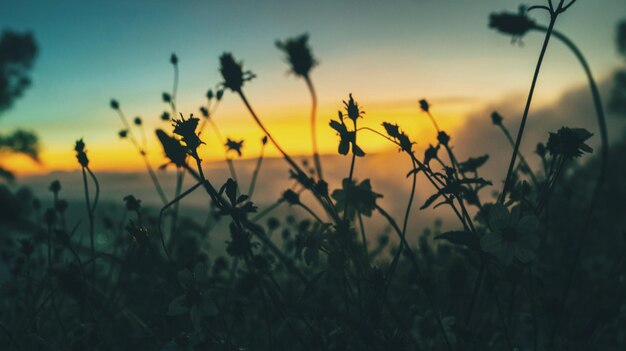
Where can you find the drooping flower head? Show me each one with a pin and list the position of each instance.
(298, 54)
(514, 24)
(233, 73)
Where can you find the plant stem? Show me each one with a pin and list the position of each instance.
(91, 228)
(351, 174)
(256, 171)
(316, 155)
(520, 132)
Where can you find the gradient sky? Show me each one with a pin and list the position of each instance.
(389, 54)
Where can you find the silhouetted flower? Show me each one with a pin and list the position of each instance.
(512, 235)
(424, 105)
(394, 132)
(298, 54)
(167, 97)
(264, 140)
(443, 138)
(132, 203)
(114, 104)
(291, 197)
(172, 148)
(55, 187)
(346, 138)
(496, 118)
(81, 154)
(569, 142)
(137, 121)
(515, 24)
(233, 73)
(165, 116)
(204, 112)
(174, 59)
(123, 133)
(209, 94)
(361, 198)
(186, 128)
(352, 109)
(232, 145)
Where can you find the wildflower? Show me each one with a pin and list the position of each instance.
(443, 138)
(496, 118)
(291, 197)
(137, 121)
(233, 73)
(132, 203)
(264, 140)
(424, 105)
(55, 187)
(361, 197)
(204, 112)
(186, 128)
(174, 59)
(352, 108)
(172, 148)
(298, 54)
(512, 24)
(165, 116)
(569, 142)
(123, 133)
(512, 235)
(232, 145)
(394, 131)
(346, 138)
(114, 104)
(81, 154)
(166, 97)
(209, 94)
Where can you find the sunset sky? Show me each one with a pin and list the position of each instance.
(389, 54)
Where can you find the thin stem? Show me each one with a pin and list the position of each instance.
(91, 227)
(363, 236)
(287, 158)
(351, 174)
(396, 258)
(175, 201)
(316, 155)
(256, 171)
(432, 119)
(520, 132)
(521, 156)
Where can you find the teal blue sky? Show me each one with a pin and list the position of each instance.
(381, 51)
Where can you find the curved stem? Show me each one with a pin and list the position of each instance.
(316, 154)
(520, 132)
(597, 100)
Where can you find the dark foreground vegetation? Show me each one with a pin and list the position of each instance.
(542, 267)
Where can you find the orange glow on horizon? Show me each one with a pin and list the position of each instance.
(290, 127)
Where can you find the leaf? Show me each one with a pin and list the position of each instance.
(462, 238)
(431, 199)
